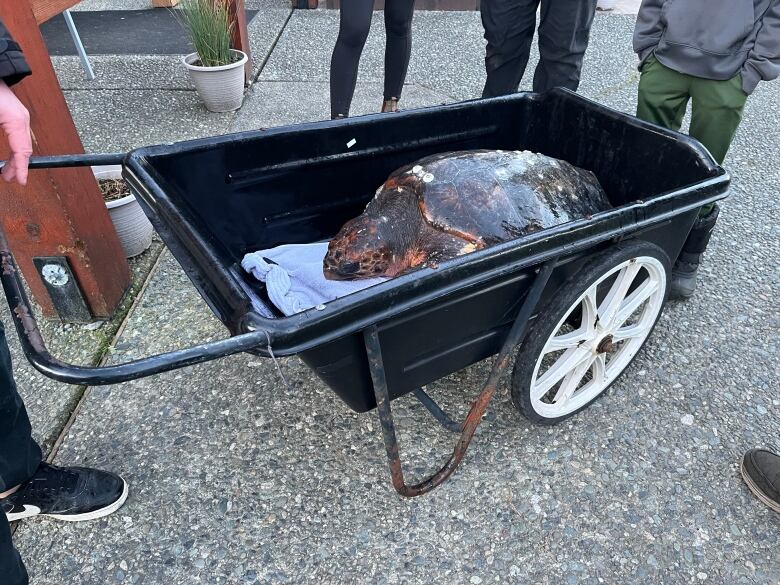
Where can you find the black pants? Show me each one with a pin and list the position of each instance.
(19, 458)
(564, 29)
(354, 22)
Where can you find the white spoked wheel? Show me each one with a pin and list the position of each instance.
(589, 336)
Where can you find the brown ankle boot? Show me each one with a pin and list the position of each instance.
(390, 105)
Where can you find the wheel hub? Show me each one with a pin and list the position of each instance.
(605, 345)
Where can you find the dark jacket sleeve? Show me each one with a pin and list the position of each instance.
(13, 67)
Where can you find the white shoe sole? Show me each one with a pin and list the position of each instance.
(757, 491)
(33, 511)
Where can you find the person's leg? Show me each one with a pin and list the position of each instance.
(716, 111)
(509, 30)
(663, 95)
(354, 23)
(29, 487)
(398, 48)
(20, 455)
(11, 566)
(564, 29)
(19, 458)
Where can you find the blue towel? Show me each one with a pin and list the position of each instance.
(294, 281)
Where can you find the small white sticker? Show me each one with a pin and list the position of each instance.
(351, 143)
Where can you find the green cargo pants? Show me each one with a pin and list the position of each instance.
(715, 113)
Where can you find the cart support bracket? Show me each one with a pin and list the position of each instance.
(469, 426)
(436, 411)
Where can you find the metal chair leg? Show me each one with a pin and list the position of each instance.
(79, 45)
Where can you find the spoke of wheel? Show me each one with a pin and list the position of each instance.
(599, 369)
(590, 309)
(572, 380)
(570, 359)
(611, 304)
(566, 341)
(631, 331)
(643, 292)
(584, 332)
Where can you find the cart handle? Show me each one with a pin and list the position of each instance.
(62, 161)
(32, 341)
(38, 355)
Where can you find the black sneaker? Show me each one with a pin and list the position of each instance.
(66, 493)
(761, 471)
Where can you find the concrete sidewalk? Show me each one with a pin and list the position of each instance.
(238, 478)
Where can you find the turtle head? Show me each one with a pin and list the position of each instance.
(362, 249)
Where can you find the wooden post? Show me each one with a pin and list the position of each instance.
(241, 35)
(61, 211)
(46, 9)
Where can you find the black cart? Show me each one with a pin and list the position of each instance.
(573, 303)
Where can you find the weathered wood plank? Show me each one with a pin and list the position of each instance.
(61, 211)
(46, 9)
(240, 34)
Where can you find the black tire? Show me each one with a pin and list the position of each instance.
(560, 306)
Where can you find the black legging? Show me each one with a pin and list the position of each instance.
(354, 22)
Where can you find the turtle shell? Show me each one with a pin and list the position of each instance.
(491, 196)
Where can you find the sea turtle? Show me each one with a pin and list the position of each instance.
(450, 204)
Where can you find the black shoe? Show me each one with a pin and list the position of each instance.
(687, 266)
(761, 471)
(683, 280)
(66, 493)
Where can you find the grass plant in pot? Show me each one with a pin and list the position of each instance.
(131, 224)
(215, 68)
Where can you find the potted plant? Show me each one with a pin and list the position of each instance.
(131, 224)
(215, 68)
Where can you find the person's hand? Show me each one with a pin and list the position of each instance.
(15, 122)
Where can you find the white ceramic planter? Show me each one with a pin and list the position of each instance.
(131, 224)
(220, 88)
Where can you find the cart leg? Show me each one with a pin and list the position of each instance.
(442, 417)
(478, 407)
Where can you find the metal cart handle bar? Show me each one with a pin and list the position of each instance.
(33, 344)
(479, 406)
(72, 160)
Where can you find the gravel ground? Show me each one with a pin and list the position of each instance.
(239, 478)
(50, 403)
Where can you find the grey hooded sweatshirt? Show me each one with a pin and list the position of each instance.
(713, 39)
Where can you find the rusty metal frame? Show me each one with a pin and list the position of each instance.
(436, 411)
(479, 406)
(34, 346)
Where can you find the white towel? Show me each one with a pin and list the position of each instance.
(295, 282)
